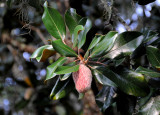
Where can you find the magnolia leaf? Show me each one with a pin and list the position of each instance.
(129, 82)
(61, 89)
(153, 55)
(43, 53)
(102, 79)
(66, 69)
(105, 97)
(77, 30)
(63, 49)
(53, 22)
(83, 33)
(72, 19)
(147, 72)
(94, 42)
(152, 107)
(104, 45)
(51, 68)
(65, 76)
(125, 44)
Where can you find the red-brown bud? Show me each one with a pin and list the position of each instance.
(82, 78)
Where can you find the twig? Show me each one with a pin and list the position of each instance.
(23, 47)
(37, 30)
(124, 23)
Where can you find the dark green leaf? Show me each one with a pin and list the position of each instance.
(43, 53)
(144, 100)
(83, 33)
(129, 82)
(61, 89)
(51, 68)
(75, 35)
(102, 79)
(72, 19)
(152, 107)
(125, 44)
(94, 42)
(53, 22)
(150, 37)
(105, 44)
(105, 97)
(119, 62)
(63, 49)
(65, 76)
(147, 72)
(66, 69)
(153, 55)
(82, 21)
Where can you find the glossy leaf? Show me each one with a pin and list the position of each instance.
(72, 19)
(77, 30)
(105, 97)
(53, 22)
(94, 42)
(150, 37)
(43, 53)
(67, 75)
(153, 55)
(129, 82)
(119, 61)
(102, 79)
(147, 72)
(66, 69)
(125, 44)
(63, 49)
(152, 107)
(145, 99)
(83, 33)
(61, 89)
(105, 44)
(51, 68)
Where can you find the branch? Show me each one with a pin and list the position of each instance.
(124, 23)
(37, 30)
(23, 47)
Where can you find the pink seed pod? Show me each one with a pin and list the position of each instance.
(82, 78)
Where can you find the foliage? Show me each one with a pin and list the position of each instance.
(111, 57)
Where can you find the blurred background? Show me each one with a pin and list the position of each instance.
(22, 87)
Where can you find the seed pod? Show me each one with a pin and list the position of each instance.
(82, 78)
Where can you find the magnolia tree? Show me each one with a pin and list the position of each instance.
(115, 61)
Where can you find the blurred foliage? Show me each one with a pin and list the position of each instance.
(22, 87)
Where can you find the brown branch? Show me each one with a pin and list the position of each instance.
(23, 47)
(37, 30)
(90, 107)
(124, 23)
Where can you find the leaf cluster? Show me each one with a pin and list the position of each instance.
(113, 59)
